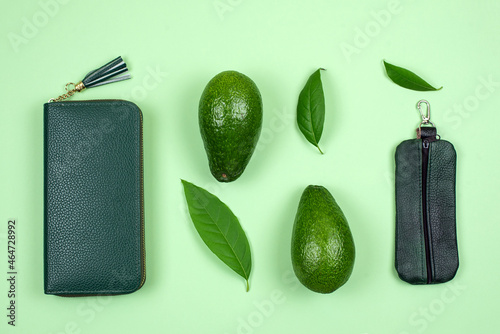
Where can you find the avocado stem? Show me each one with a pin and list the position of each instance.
(319, 149)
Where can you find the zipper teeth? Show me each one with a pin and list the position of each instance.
(425, 163)
(143, 250)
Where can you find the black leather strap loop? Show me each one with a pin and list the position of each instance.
(426, 132)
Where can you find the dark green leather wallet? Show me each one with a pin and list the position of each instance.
(94, 198)
(426, 241)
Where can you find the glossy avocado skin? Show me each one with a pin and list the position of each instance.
(322, 244)
(230, 118)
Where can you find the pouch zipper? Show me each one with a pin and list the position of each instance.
(425, 164)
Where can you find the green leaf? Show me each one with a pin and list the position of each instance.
(219, 228)
(311, 109)
(407, 79)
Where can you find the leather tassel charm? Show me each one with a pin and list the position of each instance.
(109, 73)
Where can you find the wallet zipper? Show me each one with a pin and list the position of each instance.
(143, 248)
(425, 219)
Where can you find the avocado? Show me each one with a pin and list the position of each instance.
(230, 118)
(322, 244)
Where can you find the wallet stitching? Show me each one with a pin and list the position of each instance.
(94, 292)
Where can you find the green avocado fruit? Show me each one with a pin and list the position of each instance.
(230, 118)
(322, 244)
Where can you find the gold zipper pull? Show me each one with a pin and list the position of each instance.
(69, 91)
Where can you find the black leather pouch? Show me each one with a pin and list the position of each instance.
(426, 242)
(94, 201)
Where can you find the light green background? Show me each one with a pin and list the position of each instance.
(173, 48)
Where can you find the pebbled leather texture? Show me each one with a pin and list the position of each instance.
(410, 260)
(410, 248)
(94, 213)
(441, 210)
